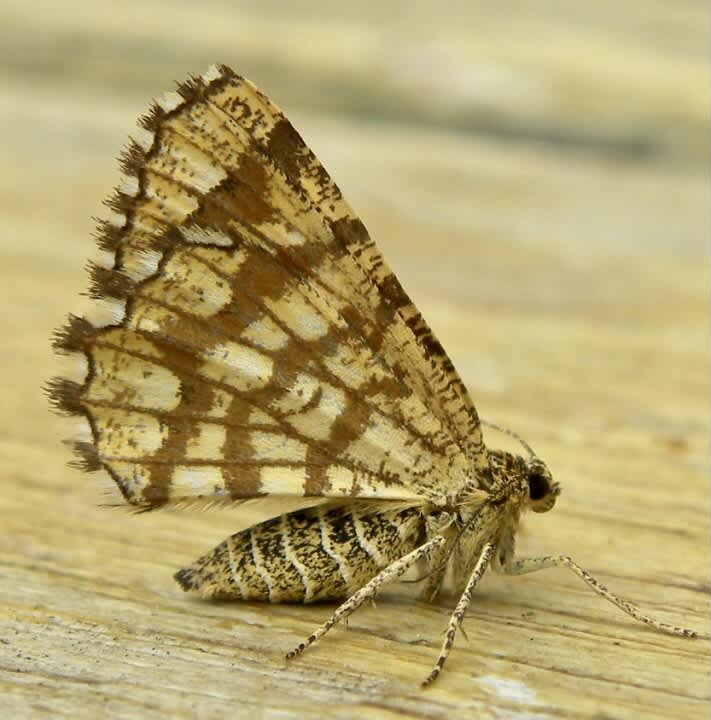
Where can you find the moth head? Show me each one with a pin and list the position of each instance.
(542, 490)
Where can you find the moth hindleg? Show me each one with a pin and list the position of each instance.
(369, 590)
(458, 615)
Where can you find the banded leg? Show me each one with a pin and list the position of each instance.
(458, 615)
(369, 590)
(439, 558)
(438, 562)
(527, 565)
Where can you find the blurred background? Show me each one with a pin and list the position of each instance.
(519, 162)
(536, 173)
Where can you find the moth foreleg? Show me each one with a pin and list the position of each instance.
(527, 565)
(391, 572)
(458, 615)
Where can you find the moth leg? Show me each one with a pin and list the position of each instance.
(438, 559)
(436, 576)
(458, 615)
(527, 565)
(368, 590)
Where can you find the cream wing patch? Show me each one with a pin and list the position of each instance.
(299, 315)
(265, 333)
(122, 378)
(317, 422)
(281, 480)
(207, 442)
(238, 366)
(127, 433)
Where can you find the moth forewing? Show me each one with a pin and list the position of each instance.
(247, 339)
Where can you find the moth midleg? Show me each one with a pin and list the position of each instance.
(435, 578)
(458, 615)
(528, 565)
(438, 559)
(391, 572)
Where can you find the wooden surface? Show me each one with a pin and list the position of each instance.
(537, 176)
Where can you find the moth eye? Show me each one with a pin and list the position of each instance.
(538, 486)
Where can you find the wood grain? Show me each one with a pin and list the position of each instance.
(538, 179)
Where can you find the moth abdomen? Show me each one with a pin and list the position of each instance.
(320, 553)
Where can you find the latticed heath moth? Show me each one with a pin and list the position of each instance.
(247, 339)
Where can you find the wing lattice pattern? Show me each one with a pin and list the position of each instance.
(254, 341)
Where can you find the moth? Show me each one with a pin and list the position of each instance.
(247, 339)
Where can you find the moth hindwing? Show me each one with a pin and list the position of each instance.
(247, 339)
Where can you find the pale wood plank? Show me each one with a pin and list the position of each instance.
(567, 280)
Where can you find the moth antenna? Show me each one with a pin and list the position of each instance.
(512, 434)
